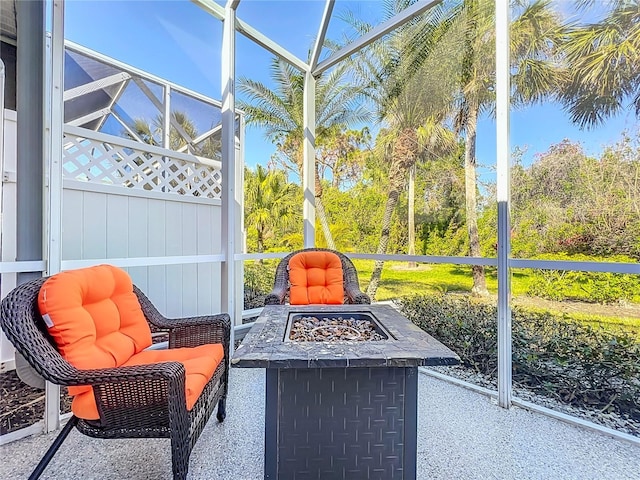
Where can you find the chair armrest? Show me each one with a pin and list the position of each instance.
(195, 331)
(354, 294)
(188, 331)
(277, 295)
(72, 376)
(137, 395)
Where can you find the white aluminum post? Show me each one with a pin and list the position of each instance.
(239, 230)
(2, 70)
(229, 207)
(54, 122)
(309, 161)
(503, 194)
(166, 119)
(166, 130)
(322, 32)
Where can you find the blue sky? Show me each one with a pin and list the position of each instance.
(177, 41)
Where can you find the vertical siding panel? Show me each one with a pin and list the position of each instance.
(173, 237)
(138, 219)
(94, 225)
(72, 217)
(216, 268)
(117, 226)
(204, 233)
(189, 247)
(156, 247)
(216, 236)
(104, 226)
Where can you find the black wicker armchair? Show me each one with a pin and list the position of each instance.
(144, 401)
(352, 292)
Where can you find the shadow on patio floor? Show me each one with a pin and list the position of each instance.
(461, 435)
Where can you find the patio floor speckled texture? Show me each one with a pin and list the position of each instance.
(461, 435)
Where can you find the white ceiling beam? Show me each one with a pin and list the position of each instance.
(322, 32)
(90, 117)
(374, 34)
(160, 107)
(252, 34)
(96, 85)
(133, 134)
(202, 137)
(133, 71)
(114, 100)
(269, 45)
(211, 7)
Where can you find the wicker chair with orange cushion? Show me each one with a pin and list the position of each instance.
(89, 329)
(316, 276)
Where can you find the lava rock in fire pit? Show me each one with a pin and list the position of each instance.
(315, 329)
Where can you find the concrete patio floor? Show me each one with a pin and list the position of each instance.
(461, 435)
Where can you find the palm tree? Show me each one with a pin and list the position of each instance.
(280, 113)
(456, 45)
(395, 73)
(536, 33)
(270, 203)
(603, 65)
(150, 132)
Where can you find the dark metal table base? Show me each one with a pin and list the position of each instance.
(341, 423)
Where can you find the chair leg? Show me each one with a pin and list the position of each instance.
(222, 410)
(73, 421)
(180, 452)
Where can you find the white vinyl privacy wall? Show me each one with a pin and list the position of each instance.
(117, 207)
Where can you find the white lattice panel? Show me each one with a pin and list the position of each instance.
(120, 162)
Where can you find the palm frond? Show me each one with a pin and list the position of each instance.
(603, 61)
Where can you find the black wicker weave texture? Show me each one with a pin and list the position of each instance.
(146, 401)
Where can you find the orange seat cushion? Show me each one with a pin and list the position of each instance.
(315, 278)
(199, 363)
(96, 321)
(94, 317)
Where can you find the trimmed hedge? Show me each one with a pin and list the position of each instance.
(552, 355)
(593, 287)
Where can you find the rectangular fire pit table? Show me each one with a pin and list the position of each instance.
(342, 409)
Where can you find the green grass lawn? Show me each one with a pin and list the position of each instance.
(399, 280)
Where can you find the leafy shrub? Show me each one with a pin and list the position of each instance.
(258, 282)
(468, 328)
(597, 287)
(554, 356)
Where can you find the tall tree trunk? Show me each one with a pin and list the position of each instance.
(404, 156)
(324, 223)
(477, 271)
(322, 214)
(412, 213)
(260, 243)
(392, 201)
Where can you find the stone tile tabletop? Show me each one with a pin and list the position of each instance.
(407, 345)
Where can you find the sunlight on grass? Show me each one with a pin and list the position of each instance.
(399, 280)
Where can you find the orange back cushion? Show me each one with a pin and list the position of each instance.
(94, 317)
(315, 277)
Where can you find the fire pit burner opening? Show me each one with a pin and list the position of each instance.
(334, 327)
